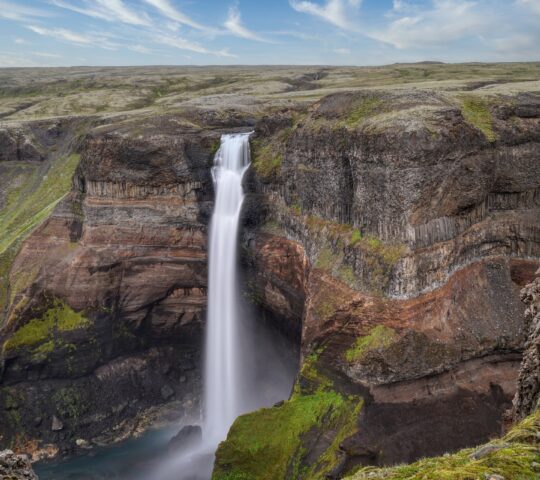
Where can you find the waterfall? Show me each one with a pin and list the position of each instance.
(223, 354)
(233, 384)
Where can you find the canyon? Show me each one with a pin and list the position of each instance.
(389, 226)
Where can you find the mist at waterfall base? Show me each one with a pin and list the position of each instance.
(247, 364)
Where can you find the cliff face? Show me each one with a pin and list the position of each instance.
(528, 394)
(518, 452)
(108, 294)
(419, 221)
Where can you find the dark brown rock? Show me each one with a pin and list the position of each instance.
(460, 218)
(528, 395)
(127, 248)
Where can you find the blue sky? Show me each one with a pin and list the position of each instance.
(204, 32)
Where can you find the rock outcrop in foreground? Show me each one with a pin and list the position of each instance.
(15, 467)
(528, 395)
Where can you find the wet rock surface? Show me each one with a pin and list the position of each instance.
(190, 436)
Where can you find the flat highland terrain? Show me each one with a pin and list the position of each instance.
(36, 93)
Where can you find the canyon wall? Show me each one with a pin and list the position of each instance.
(527, 398)
(103, 332)
(419, 225)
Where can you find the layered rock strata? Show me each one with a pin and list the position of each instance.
(105, 322)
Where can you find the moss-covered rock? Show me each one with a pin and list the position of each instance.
(476, 111)
(275, 443)
(39, 333)
(379, 337)
(27, 205)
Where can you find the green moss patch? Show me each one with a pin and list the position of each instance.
(70, 403)
(356, 236)
(326, 259)
(25, 210)
(265, 160)
(517, 458)
(262, 444)
(379, 337)
(362, 110)
(40, 331)
(270, 444)
(476, 112)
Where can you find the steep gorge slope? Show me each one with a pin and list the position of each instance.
(517, 454)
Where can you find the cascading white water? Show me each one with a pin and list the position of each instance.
(232, 383)
(223, 365)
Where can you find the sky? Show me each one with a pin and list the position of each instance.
(304, 32)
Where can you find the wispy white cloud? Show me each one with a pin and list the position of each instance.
(184, 44)
(80, 39)
(445, 21)
(168, 10)
(62, 34)
(336, 12)
(117, 10)
(21, 41)
(109, 10)
(15, 11)
(342, 51)
(235, 26)
(122, 12)
(8, 60)
(398, 5)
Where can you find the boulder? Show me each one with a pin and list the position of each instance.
(15, 467)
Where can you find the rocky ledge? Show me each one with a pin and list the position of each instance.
(528, 395)
(517, 454)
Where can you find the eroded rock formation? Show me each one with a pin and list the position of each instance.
(14, 467)
(387, 232)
